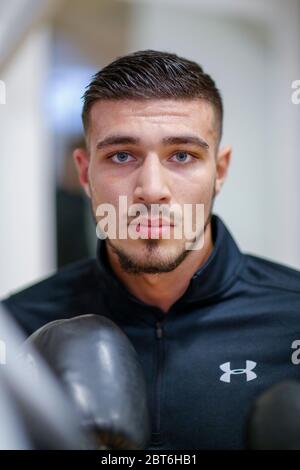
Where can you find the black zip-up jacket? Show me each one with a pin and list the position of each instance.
(234, 333)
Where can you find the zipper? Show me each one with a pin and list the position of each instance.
(156, 436)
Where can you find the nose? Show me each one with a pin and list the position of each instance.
(151, 184)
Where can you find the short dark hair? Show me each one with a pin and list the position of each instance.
(152, 74)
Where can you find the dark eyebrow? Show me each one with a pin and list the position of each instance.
(117, 140)
(171, 140)
(185, 139)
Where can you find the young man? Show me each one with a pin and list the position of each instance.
(213, 327)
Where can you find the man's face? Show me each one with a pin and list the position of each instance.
(158, 152)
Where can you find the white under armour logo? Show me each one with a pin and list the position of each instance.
(250, 375)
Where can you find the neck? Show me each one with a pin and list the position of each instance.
(164, 289)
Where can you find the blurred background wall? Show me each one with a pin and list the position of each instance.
(49, 50)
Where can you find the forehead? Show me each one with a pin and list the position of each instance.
(107, 116)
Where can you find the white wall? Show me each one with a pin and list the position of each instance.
(27, 248)
(251, 49)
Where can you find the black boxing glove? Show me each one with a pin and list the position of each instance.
(100, 371)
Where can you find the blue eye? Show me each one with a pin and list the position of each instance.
(182, 156)
(120, 157)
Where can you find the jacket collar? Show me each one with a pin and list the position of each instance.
(212, 279)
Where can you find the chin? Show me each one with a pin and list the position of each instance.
(153, 260)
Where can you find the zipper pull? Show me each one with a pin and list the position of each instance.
(159, 331)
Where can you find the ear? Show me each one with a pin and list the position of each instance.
(82, 160)
(222, 165)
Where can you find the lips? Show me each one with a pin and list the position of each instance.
(151, 231)
(154, 223)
